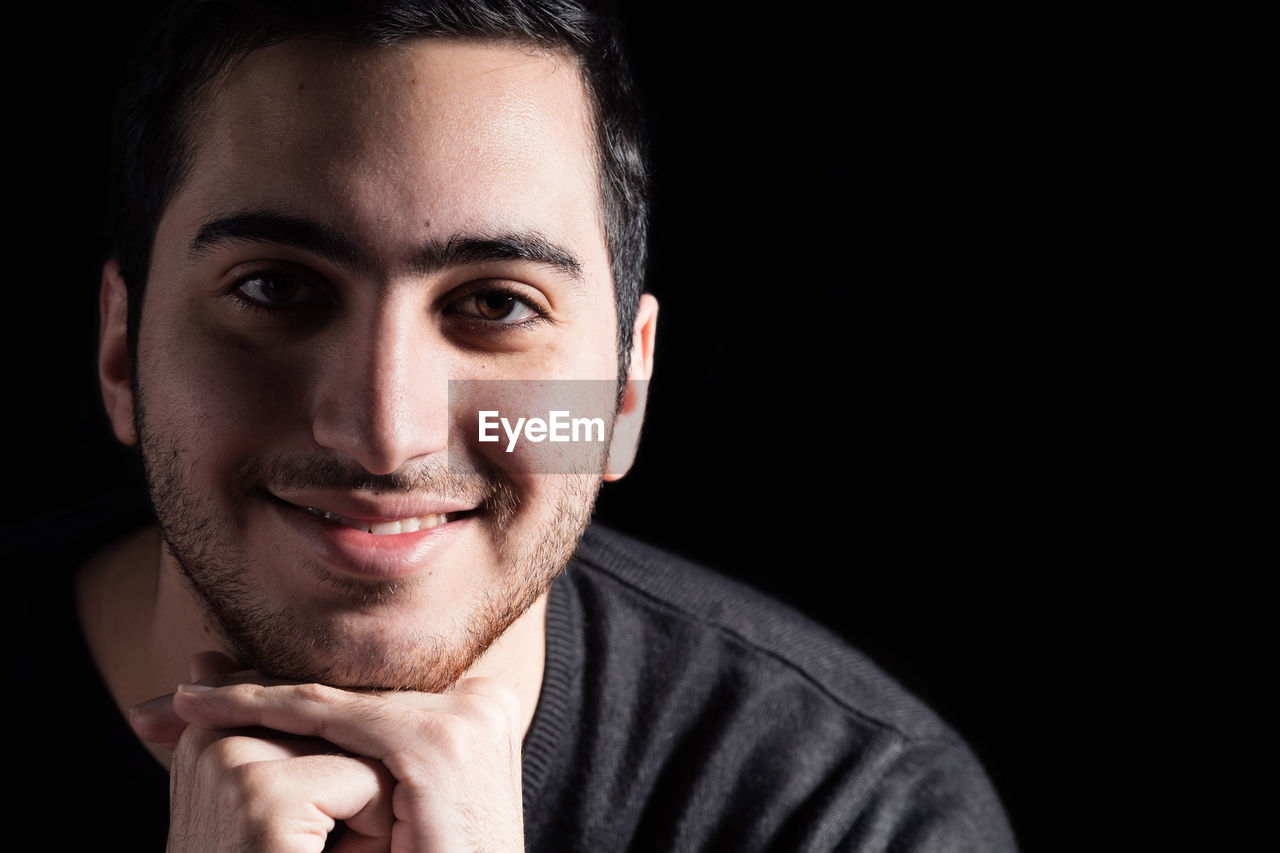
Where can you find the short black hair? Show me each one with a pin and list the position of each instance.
(190, 42)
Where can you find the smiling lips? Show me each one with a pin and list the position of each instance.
(412, 524)
(383, 538)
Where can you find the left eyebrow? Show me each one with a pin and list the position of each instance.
(467, 249)
(344, 250)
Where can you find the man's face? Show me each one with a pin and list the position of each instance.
(359, 227)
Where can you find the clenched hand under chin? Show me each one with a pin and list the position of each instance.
(281, 766)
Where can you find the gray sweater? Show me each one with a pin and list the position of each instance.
(683, 711)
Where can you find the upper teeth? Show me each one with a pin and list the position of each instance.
(385, 528)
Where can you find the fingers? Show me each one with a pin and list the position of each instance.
(154, 720)
(275, 793)
(333, 714)
(366, 724)
(407, 732)
(355, 722)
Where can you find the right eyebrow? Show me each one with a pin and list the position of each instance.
(281, 229)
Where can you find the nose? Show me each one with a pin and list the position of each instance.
(382, 397)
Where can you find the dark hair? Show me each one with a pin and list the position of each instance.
(192, 41)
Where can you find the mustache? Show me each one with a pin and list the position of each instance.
(490, 489)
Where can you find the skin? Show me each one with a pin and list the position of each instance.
(256, 353)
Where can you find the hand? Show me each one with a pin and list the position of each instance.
(154, 720)
(405, 771)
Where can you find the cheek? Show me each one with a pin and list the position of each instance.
(216, 388)
(551, 505)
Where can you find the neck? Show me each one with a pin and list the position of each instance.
(140, 644)
(143, 624)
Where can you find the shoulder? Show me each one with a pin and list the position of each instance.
(681, 596)
(747, 693)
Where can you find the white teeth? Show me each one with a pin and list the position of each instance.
(386, 528)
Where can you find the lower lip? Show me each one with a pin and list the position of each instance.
(358, 554)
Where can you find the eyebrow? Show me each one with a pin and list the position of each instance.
(463, 249)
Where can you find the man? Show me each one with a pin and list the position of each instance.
(346, 630)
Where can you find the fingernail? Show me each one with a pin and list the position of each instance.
(193, 688)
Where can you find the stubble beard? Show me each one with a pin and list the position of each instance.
(280, 642)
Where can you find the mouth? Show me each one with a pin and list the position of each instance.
(375, 540)
(412, 524)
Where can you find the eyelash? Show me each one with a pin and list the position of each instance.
(538, 314)
(247, 303)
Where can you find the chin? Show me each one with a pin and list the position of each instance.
(370, 651)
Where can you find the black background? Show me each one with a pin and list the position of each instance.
(886, 386)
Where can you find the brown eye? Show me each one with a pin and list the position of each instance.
(496, 306)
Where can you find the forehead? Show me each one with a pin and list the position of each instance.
(428, 133)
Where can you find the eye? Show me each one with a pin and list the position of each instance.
(272, 290)
(496, 305)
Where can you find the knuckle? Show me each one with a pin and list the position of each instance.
(240, 787)
(496, 711)
(474, 722)
(222, 755)
(244, 693)
(496, 693)
(449, 733)
(312, 692)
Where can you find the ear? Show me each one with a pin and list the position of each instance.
(626, 429)
(115, 368)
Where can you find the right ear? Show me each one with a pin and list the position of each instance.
(115, 367)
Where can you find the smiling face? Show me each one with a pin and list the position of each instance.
(360, 226)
